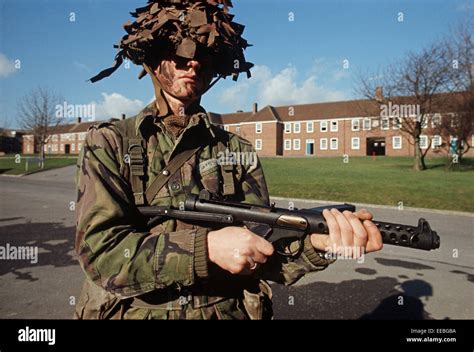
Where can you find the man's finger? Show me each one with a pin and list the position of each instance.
(334, 231)
(347, 234)
(360, 234)
(363, 214)
(374, 237)
(264, 247)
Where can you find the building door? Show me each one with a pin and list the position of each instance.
(310, 147)
(67, 148)
(376, 146)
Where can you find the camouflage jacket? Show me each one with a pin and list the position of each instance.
(135, 272)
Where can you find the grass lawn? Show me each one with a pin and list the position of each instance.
(386, 180)
(9, 166)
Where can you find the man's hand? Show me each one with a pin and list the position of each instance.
(351, 234)
(237, 249)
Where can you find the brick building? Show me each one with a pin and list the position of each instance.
(355, 128)
(65, 139)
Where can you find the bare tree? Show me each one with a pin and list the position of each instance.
(37, 115)
(459, 127)
(415, 81)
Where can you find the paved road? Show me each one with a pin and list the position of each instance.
(396, 283)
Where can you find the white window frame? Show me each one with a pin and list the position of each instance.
(82, 136)
(423, 145)
(437, 138)
(325, 142)
(287, 144)
(297, 127)
(397, 123)
(355, 125)
(237, 129)
(369, 121)
(258, 144)
(331, 144)
(296, 144)
(334, 125)
(425, 122)
(436, 117)
(394, 144)
(226, 128)
(309, 130)
(73, 147)
(353, 146)
(258, 127)
(287, 127)
(323, 126)
(383, 121)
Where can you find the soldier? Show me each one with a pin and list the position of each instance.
(179, 270)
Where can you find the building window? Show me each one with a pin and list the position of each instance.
(82, 136)
(310, 147)
(355, 143)
(237, 129)
(437, 141)
(28, 148)
(397, 142)
(423, 142)
(258, 144)
(297, 127)
(334, 126)
(287, 127)
(385, 123)
(323, 144)
(310, 127)
(334, 143)
(323, 126)
(436, 120)
(258, 127)
(355, 124)
(296, 144)
(367, 124)
(287, 144)
(54, 138)
(397, 123)
(226, 128)
(73, 147)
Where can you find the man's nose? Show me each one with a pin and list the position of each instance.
(196, 65)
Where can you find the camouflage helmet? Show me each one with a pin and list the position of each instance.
(187, 28)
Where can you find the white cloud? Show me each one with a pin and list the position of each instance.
(81, 66)
(115, 104)
(7, 67)
(282, 88)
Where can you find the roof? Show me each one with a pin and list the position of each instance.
(330, 110)
(71, 128)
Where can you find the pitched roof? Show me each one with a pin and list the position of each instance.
(330, 110)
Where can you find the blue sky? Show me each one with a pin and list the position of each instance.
(297, 61)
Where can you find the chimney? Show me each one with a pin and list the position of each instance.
(255, 108)
(79, 120)
(124, 116)
(379, 93)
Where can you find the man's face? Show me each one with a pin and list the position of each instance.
(185, 79)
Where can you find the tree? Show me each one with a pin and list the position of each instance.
(36, 112)
(416, 81)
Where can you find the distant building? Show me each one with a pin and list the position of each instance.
(354, 128)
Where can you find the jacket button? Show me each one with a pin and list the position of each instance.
(166, 172)
(175, 186)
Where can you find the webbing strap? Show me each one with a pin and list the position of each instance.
(136, 153)
(170, 169)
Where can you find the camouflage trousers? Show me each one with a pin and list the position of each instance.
(253, 302)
